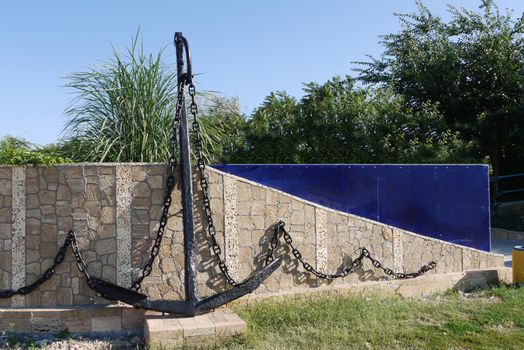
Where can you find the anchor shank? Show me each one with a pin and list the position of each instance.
(187, 187)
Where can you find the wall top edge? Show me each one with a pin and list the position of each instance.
(358, 164)
(211, 165)
(79, 164)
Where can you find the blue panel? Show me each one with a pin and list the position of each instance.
(449, 202)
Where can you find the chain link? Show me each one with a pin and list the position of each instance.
(280, 231)
(59, 258)
(70, 240)
(204, 186)
(80, 262)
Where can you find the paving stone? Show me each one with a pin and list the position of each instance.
(106, 324)
(201, 330)
(163, 332)
(46, 325)
(227, 323)
(197, 325)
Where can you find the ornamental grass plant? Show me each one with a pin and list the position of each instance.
(123, 110)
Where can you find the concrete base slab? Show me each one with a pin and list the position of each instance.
(171, 331)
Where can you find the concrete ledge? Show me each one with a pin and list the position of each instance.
(422, 286)
(82, 319)
(169, 331)
(507, 234)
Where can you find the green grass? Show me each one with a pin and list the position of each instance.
(490, 319)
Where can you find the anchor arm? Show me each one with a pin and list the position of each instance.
(113, 291)
(181, 307)
(246, 287)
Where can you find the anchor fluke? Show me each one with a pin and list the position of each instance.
(240, 290)
(199, 307)
(113, 291)
(180, 307)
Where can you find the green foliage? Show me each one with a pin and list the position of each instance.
(443, 93)
(471, 68)
(124, 109)
(269, 136)
(392, 133)
(223, 127)
(336, 122)
(17, 151)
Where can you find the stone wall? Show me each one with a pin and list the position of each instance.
(5, 231)
(115, 210)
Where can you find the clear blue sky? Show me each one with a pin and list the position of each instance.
(241, 48)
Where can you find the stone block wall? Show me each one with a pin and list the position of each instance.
(507, 234)
(115, 211)
(5, 231)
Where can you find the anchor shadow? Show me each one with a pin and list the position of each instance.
(207, 265)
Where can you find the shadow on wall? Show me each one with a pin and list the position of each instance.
(365, 272)
(301, 278)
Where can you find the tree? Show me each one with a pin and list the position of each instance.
(391, 133)
(17, 151)
(471, 69)
(337, 122)
(269, 135)
(225, 127)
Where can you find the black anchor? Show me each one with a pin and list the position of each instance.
(193, 304)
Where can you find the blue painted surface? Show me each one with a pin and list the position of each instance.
(448, 202)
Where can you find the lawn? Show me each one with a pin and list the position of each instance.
(488, 319)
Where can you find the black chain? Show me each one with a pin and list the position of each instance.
(82, 265)
(170, 185)
(280, 231)
(70, 240)
(44, 277)
(204, 185)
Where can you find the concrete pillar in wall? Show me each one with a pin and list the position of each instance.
(18, 264)
(321, 247)
(231, 232)
(124, 195)
(398, 253)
